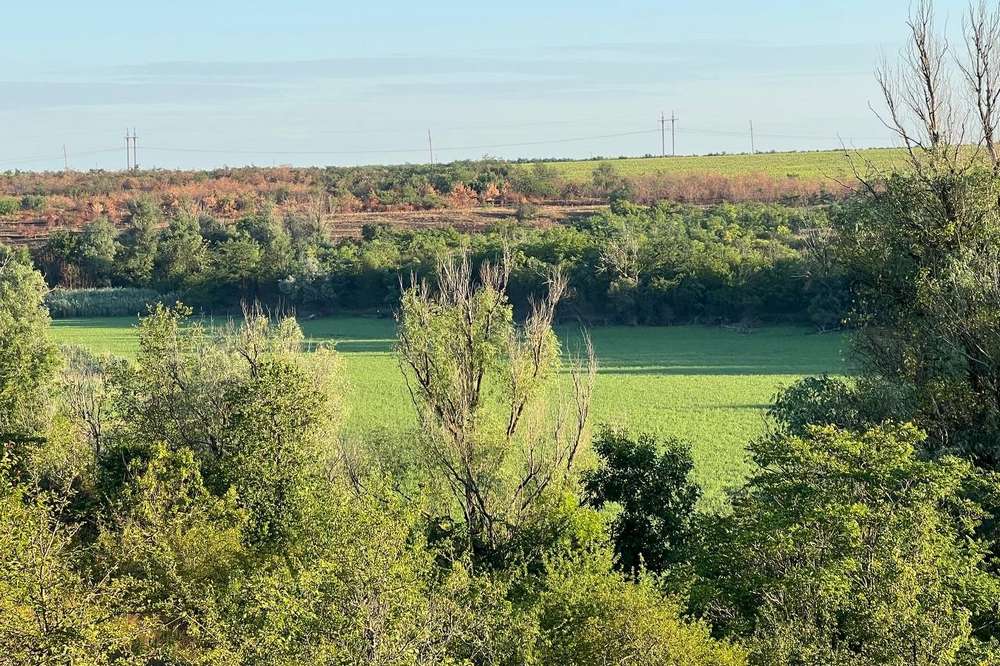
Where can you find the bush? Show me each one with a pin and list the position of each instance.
(103, 302)
(33, 202)
(526, 211)
(9, 205)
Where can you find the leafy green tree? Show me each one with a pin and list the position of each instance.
(589, 614)
(182, 255)
(28, 359)
(850, 549)
(136, 260)
(173, 548)
(258, 414)
(276, 244)
(58, 258)
(652, 486)
(857, 404)
(97, 249)
(49, 611)
(922, 255)
(235, 268)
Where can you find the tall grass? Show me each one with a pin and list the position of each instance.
(103, 302)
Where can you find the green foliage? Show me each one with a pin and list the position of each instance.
(651, 485)
(172, 547)
(35, 202)
(848, 548)
(97, 248)
(662, 264)
(707, 385)
(855, 405)
(49, 611)
(480, 385)
(28, 359)
(589, 615)
(9, 205)
(922, 252)
(257, 414)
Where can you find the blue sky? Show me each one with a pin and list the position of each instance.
(216, 83)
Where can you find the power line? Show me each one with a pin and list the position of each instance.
(395, 150)
(55, 158)
(131, 141)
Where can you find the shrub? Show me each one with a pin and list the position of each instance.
(526, 211)
(33, 202)
(8, 205)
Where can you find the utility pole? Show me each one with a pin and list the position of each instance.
(430, 145)
(65, 159)
(663, 134)
(135, 151)
(673, 134)
(128, 152)
(753, 148)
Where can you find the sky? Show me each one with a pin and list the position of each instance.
(303, 82)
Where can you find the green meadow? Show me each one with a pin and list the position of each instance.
(709, 386)
(823, 164)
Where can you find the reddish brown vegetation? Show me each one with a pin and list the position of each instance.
(72, 199)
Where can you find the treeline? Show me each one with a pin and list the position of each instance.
(661, 264)
(199, 505)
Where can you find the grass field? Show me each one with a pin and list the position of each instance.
(827, 164)
(709, 386)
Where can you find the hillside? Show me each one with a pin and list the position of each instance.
(826, 164)
(464, 194)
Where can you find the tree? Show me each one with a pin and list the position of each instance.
(28, 359)
(172, 548)
(589, 614)
(922, 248)
(49, 611)
(97, 248)
(494, 428)
(652, 485)
(182, 256)
(258, 415)
(136, 261)
(849, 549)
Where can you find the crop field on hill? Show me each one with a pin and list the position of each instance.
(709, 386)
(818, 165)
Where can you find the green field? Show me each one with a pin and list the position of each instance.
(826, 164)
(709, 386)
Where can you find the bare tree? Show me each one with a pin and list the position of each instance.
(981, 70)
(933, 96)
(919, 98)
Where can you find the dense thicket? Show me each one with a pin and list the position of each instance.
(661, 264)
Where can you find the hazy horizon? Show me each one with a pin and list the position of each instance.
(312, 84)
